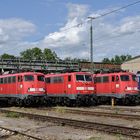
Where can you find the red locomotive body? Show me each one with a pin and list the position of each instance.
(22, 87)
(121, 85)
(76, 87)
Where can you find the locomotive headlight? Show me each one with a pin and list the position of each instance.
(80, 88)
(135, 88)
(42, 89)
(128, 88)
(90, 88)
(31, 89)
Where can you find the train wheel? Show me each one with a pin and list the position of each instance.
(19, 102)
(126, 101)
(27, 102)
(11, 101)
(93, 101)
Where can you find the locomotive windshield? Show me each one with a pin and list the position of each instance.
(28, 78)
(134, 78)
(40, 78)
(124, 77)
(83, 78)
(88, 77)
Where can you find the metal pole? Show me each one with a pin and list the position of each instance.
(91, 44)
(91, 47)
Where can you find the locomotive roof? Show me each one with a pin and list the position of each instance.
(116, 73)
(55, 74)
(21, 73)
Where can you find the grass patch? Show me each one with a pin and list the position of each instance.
(13, 115)
(60, 109)
(120, 137)
(95, 138)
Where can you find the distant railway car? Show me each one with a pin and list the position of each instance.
(22, 88)
(71, 88)
(120, 85)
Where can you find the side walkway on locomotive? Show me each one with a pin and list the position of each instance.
(120, 85)
(71, 88)
(19, 88)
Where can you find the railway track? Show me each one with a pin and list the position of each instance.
(98, 113)
(107, 128)
(7, 132)
(118, 108)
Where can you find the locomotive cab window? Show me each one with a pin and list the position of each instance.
(117, 78)
(48, 80)
(113, 78)
(134, 78)
(80, 78)
(88, 77)
(19, 78)
(28, 78)
(124, 77)
(40, 78)
(69, 78)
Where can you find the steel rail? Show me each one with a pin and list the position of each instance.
(15, 132)
(117, 108)
(97, 113)
(104, 114)
(107, 128)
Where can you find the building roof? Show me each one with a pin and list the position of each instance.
(133, 58)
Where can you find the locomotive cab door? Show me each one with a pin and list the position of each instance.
(115, 87)
(19, 84)
(68, 84)
(118, 84)
(113, 84)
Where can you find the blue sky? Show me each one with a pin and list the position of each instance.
(29, 23)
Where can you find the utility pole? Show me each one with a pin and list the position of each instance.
(91, 43)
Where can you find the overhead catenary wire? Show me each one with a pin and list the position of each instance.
(95, 18)
(100, 16)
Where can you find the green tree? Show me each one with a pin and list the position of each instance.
(7, 56)
(117, 59)
(49, 55)
(106, 60)
(37, 53)
(27, 54)
(34, 53)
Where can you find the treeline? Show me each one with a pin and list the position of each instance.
(34, 53)
(117, 59)
(47, 54)
(37, 54)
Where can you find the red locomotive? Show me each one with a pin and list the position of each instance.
(71, 88)
(22, 88)
(119, 85)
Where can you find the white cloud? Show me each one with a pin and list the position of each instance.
(69, 42)
(109, 39)
(77, 11)
(12, 31)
